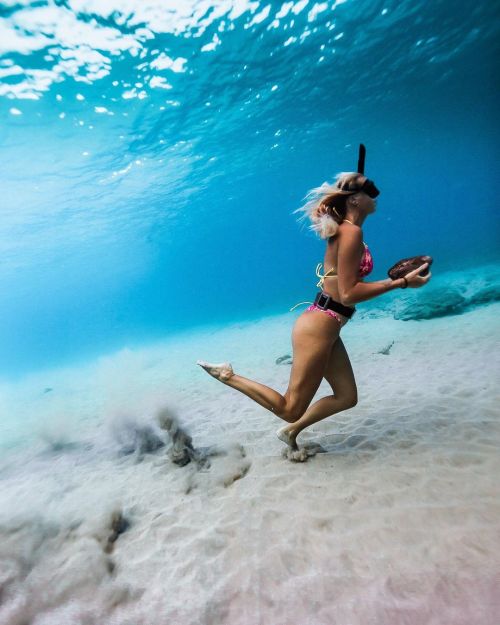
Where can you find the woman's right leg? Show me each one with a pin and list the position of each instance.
(312, 338)
(340, 376)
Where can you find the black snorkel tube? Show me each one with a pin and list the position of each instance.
(368, 185)
(361, 159)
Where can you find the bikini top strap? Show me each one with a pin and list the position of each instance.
(322, 277)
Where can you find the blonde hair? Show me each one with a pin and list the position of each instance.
(326, 205)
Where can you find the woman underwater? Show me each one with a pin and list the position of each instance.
(337, 213)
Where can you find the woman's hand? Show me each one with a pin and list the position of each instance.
(415, 280)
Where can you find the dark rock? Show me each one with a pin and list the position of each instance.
(284, 360)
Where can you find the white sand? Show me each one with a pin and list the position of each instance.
(397, 522)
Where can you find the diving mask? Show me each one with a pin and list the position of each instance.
(367, 186)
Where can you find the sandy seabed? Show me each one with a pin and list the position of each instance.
(394, 518)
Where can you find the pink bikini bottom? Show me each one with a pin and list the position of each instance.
(340, 318)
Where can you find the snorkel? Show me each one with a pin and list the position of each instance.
(367, 186)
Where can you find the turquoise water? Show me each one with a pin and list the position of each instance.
(153, 152)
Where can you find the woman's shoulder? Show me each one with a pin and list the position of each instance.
(347, 230)
(345, 226)
(349, 234)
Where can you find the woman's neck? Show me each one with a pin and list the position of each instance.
(355, 219)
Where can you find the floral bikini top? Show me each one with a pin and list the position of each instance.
(365, 267)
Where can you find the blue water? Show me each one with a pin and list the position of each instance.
(152, 157)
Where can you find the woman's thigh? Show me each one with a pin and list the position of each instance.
(313, 335)
(339, 373)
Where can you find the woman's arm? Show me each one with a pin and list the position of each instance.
(351, 290)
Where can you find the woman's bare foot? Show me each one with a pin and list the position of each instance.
(221, 372)
(287, 436)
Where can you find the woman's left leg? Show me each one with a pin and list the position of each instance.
(340, 376)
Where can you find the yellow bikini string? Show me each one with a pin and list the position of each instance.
(320, 283)
(322, 277)
(299, 305)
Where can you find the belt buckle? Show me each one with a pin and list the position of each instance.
(325, 303)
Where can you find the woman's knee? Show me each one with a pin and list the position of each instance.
(292, 413)
(350, 400)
